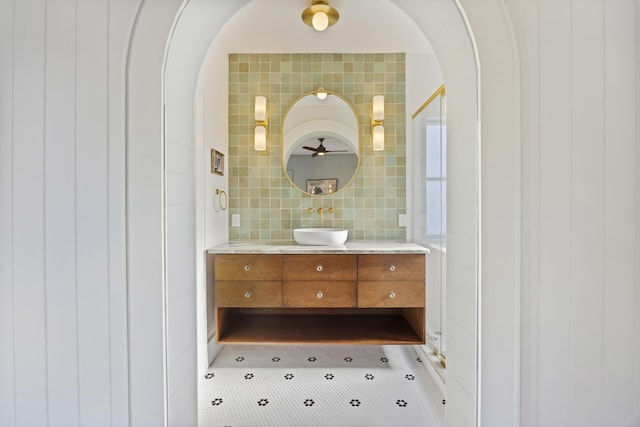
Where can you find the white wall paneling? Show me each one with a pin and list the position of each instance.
(635, 328)
(64, 339)
(580, 198)
(587, 213)
(60, 216)
(121, 20)
(7, 366)
(620, 402)
(28, 234)
(555, 212)
(91, 166)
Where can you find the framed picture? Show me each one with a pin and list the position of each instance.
(322, 186)
(217, 162)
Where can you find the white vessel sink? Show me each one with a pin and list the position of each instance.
(320, 236)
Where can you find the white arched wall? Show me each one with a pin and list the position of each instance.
(159, 238)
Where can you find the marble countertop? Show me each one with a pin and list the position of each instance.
(291, 247)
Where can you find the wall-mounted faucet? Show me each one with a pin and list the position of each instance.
(320, 211)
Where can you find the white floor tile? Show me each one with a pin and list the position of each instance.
(319, 386)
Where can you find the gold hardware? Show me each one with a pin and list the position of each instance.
(222, 195)
(320, 210)
(320, 15)
(331, 210)
(310, 210)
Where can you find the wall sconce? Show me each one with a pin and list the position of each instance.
(260, 137)
(320, 15)
(321, 93)
(377, 123)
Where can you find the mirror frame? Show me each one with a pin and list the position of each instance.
(282, 135)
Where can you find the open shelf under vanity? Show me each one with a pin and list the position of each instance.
(320, 326)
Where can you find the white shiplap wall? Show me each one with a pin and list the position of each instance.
(581, 222)
(63, 357)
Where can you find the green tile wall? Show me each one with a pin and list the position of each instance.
(269, 206)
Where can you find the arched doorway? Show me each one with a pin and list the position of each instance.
(155, 254)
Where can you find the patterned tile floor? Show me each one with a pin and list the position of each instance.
(319, 386)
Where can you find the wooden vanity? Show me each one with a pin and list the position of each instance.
(323, 297)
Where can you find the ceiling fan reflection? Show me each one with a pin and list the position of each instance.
(320, 150)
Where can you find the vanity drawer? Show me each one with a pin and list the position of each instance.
(319, 267)
(259, 293)
(391, 267)
(319, 294)
(391, 294)
(248, 267)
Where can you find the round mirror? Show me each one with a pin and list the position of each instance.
(320, 143)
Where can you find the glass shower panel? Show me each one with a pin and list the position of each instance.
(430, 211)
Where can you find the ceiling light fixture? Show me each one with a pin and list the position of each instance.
(320, 15)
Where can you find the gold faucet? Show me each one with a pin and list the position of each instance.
(320, 210)
(310, 210)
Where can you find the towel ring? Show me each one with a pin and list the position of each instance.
(221, 205)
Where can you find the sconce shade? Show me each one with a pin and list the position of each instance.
(320, 15)
(378, 138)
(378, 108)
(321, 94)
(260, 138)
(261, 108)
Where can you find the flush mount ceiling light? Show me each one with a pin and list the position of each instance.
(320, 15)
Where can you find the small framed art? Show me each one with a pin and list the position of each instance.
(217, 162)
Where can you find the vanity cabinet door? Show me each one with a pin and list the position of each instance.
(248, 267)
(314, 293)
(259, 293)
(391, 294)
(319, 267)
(391, 267)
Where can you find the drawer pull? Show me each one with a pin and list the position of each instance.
(247, 267)
(320, 294)
(392, 268)
(392, 294)
(247, 294)
(319, 268)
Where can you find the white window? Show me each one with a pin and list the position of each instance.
(436, 180)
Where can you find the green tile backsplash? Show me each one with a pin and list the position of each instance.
(269, 206)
